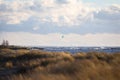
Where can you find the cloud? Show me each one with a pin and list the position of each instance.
(14, 12)
(36, 28)
(111, 13)
(56, 39)
(58, 12)
(63, 12)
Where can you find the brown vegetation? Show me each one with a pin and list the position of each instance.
(39, 65)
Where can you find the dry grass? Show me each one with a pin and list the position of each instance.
(40, 65)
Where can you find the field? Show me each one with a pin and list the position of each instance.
(24, 64)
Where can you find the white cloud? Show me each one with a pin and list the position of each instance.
(68, 12)
(111, 13)
(60, 12)
(36, 28)
(14, 12)
(56, 39)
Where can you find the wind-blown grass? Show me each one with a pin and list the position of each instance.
(40, 65)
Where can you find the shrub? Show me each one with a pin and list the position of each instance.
(9, 64)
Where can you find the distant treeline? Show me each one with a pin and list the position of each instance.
(13, 47)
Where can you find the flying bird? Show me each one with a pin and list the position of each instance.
(62, 36)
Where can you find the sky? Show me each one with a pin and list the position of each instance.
(60, 22)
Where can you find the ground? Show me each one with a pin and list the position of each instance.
(25, 64)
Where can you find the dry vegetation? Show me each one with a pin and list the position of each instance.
(39, 65)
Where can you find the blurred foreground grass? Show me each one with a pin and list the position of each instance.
(23, 64)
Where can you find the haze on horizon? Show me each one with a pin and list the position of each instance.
(60, 22)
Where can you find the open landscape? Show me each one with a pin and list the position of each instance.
(59, 39)
(24, 64)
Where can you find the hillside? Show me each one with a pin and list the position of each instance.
(24, 64)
